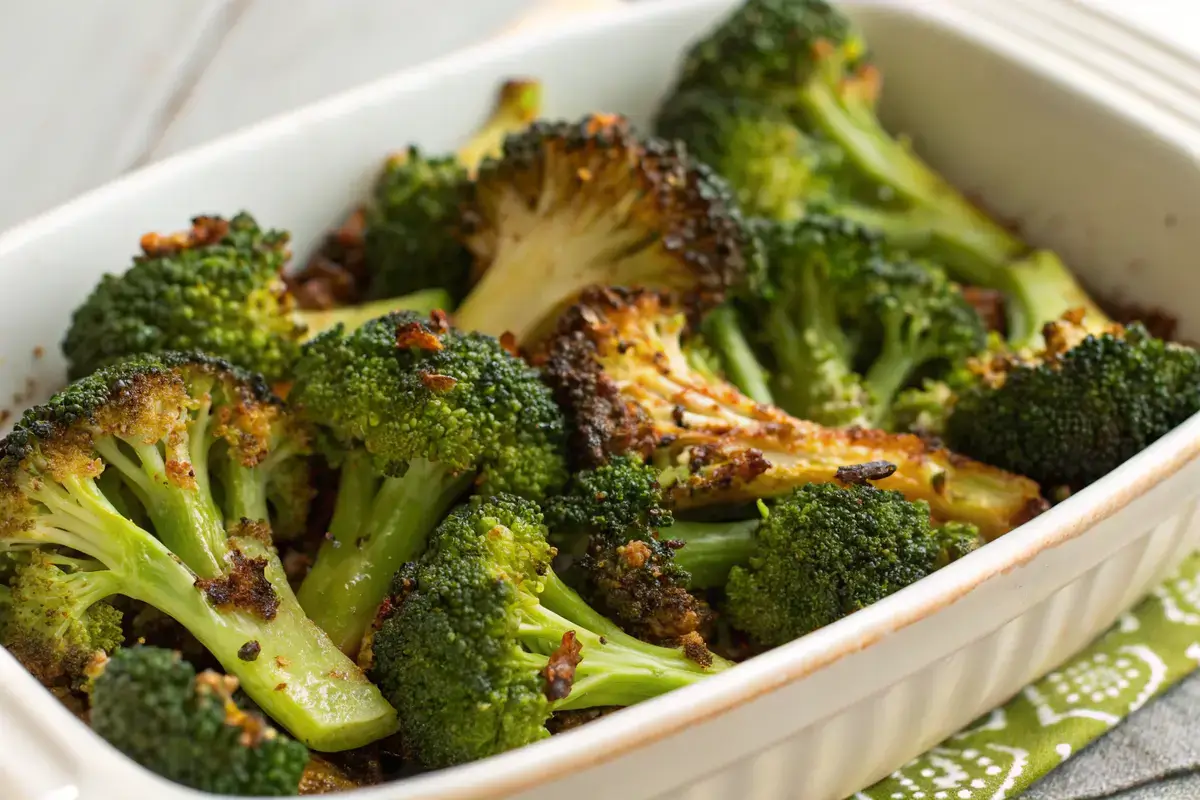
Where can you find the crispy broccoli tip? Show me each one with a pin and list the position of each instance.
(481, 642)
(617, 368)
(191, 444)
(568, 205)
(1080, 407)
(217, 288)
(414, 213)
(190, 728)
(417, 413)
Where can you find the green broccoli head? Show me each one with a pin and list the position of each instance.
(419, 413)
(615, 499)
(766, 49)
(410, 225)
(480, 641)
(1073, 412)
(218, 289)
(407, 387)
(58, 621)
(182, 523)
(153, 707)
(826, 551)
(840, 304)
(775, 169)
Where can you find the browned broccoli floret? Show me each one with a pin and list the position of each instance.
(618, 367)
(568, 205)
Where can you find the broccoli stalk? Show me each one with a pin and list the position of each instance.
(193, 441)
(567, 206)
(217, 288)
(723, 330)
(189, 728)
(409, 241)
(617, 368)
(481, 641)
(417, 413)
(782, 99)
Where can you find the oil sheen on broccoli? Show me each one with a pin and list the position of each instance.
(417, 414)
(414, 212)
(568, 205)
(481, 641)
(153, 707)
(617, 367)
(781, 99)
(184, 446)
(217, 289)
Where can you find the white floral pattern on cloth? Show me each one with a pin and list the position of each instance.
(1003, 752)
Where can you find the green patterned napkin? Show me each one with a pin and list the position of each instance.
(1002, 754)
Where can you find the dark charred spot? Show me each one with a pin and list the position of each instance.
(279, 687)
(559, 672)
(439, 321)
(562, 721)
(989, 304)
(256, 529)
(249, 651)
(862, 474)
(677, 416)
(416, 335)
(939, 483)
(244, 587)
(438, 383)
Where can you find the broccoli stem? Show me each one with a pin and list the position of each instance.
(724, 331)
(377, 526)
(616, 668)
(1044, 289)
(517, 106)
(422, 302)
(300, 679)
(712, 549)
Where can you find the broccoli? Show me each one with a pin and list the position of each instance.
(153, 707)
(194, 441)
(217, 288)
(568, 205)
(411, 219)
(481, 641)
(955, 540)
(58, 620)
(627, 569)
(823, 552)
(418, 413)
(1074, 411)
(840, 305)
(726, 337)
(617, 369)
(781, 99)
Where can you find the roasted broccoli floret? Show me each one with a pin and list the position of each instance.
(195, 442)
(955, 540)
(217, 289)
(823, 552)
(58, 620)
(781, 98)
(1079, 408)
(418, 413)
(840, 305)
(568, 205)
(618, 370)
(152, 706)
(414, 212)
(627, 566)
(481, 641)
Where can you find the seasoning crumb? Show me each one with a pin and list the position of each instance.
(279, 687)
(249, 651)
(39, 351)
(280, 661)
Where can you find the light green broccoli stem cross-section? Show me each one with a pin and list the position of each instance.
(298, 676)
(377, 526)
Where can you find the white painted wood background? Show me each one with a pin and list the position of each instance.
(91, 89)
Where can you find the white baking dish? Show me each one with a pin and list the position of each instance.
(1087, 162)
